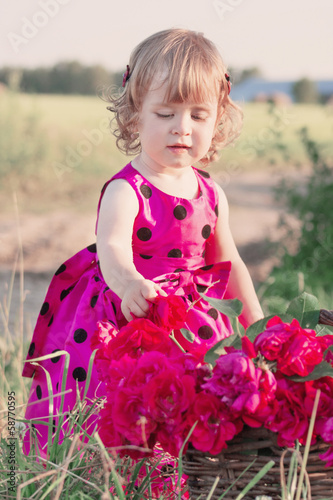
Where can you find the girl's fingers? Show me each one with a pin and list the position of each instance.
(138, 308)
(159, 292)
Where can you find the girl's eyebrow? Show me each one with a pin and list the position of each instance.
(197, 107)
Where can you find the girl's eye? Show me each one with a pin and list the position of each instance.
(160, 115)
(198, 117)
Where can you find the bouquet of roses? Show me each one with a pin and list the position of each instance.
(157, 393)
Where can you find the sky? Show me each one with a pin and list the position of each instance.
(286, 39)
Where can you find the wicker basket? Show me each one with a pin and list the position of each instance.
(259, 445)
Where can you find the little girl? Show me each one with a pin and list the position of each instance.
(162, 224)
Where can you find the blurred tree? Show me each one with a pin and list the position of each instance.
(63, 78)
(305, 90)
(240, 75)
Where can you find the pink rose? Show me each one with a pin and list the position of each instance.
(328, 457)
(236, 382)
(327, 435)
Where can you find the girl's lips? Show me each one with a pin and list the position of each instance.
(178, 148)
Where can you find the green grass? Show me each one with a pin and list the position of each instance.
(39, 133)
(268, 135)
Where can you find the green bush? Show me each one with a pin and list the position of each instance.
(307, 249)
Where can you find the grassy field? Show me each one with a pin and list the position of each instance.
(54, 148)
(56, 152)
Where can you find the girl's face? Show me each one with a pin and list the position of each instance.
(175, 134)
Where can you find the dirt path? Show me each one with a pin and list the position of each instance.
(49, 239)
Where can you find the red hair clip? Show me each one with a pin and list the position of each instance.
(227, 77)
(126, 75)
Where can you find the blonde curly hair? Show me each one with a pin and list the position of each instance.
(195, 71)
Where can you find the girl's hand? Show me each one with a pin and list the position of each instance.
(136, 297)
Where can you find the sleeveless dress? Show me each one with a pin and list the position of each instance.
(169, 240)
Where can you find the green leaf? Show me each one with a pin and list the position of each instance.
(305, 309)
(231, 307)
(189, 336)
(218, 349)
(324, 330)
(324, 369)
(260, 326)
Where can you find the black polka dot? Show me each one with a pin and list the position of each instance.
(175, 252)
(106, 289)
(97, 278)
(44, 309)
(203, 253)
(114, 307)
(206, 230)
(144, 233)
(31, 349)
(51, 321)
(57, 386)
(203, 173)
(65, 292)
(145, 256)
(206, 268)
(216, 210)
(200, 193)
(201, 288)
(79, 374)
(92, 248)
(93, 301)
(80, 335)
(61, 269)
(57, 358)
(179, 270)
(146, 191)
(180, 212)
(213, 313)
(205, 332)
(190, 297)
(39, 392)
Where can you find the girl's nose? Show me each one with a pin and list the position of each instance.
(182, 125)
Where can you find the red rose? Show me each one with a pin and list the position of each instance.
(138, 336)
(130, 417)
(168, 312)
(296, 350)
(168, 395)
(290, 419)
(213, 428)
(147, 367)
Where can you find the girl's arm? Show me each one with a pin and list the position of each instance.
(118, 210)
(221, 247)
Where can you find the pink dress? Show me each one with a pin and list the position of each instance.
(169, 240)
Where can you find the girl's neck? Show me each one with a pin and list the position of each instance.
(181, 183)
